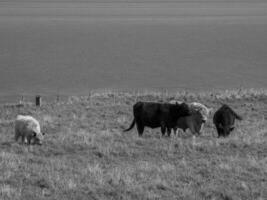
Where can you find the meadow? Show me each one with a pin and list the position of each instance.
(175, 49)
(86, 155)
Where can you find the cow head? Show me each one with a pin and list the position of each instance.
(232, 128)
(38, 138)
(205, 112)
(225, 130)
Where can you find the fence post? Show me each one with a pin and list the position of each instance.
(21, 101)
(38, 100)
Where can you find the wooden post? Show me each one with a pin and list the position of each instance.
(38, 100)
(21, 101)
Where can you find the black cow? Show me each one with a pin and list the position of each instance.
(193, 122)
(224, 119)
(154, 115)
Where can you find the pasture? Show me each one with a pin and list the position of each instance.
(86, 155)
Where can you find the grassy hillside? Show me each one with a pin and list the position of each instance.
(86, 155)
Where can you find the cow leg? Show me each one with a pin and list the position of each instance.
(218, 131)
(193, 131)
(140, 129)
(17, 135)
(174, 130)
(169, 130)
(191, 128)
(29, 137)
(226, 134)
(28, 140)
(23, 139)
(201, 127)
(198, 129)
(163, 129)
(180, 132)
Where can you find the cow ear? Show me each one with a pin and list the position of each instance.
(34, 134)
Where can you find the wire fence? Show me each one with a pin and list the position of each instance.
(108, 97)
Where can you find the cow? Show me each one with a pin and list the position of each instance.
(224, 119)
(202, 109)
(175, 101)
(154, 115)
(28, 128)
(193, 123)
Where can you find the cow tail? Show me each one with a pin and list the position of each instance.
(132, 125)
(236, 115)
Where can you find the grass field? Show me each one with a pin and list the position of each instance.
(87, 156)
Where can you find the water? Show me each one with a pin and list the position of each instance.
(71, 48)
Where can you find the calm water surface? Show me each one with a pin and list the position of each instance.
(71, 48)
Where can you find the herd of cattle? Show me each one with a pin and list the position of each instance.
(168, 116)
(175, 114)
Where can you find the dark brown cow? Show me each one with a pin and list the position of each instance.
(154, 115)
(224, 119)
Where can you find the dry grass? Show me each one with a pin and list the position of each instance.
(86, 155)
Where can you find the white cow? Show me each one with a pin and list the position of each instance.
(28, 128)
(204, 110)
(175, 101)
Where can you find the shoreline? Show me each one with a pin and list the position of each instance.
(235, 93)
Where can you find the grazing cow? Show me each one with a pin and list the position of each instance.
(224, 119)
(193, 123)
(154, 115)
(195, 106)
(28, 128)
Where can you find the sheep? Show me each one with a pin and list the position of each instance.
(28, 128)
